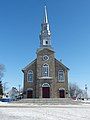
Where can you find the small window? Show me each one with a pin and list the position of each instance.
(45, 57)
(46, 42)
(60, 75)
(45, 70)
(30, 76)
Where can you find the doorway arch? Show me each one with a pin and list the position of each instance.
(45, 90)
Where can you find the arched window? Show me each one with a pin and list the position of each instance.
(45, 70)
(30, 76)
(61, 76)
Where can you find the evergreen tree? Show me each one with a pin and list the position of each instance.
(1, 88)
(2, 68)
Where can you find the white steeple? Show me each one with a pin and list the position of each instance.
(45, 34)
(45, 17)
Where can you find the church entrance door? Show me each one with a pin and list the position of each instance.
(62, 93)
(30, 94)
(45, 90)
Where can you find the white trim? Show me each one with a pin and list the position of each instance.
(46, 64)
(45, 77)
(61, 88)
(46, 56)
(45, 85)
(29, 89)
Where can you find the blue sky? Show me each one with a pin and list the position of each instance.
(20, 25)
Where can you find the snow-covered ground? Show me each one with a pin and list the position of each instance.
(10, 111)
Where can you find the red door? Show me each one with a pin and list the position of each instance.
(46, 92)
(29, 94)
(62, 93)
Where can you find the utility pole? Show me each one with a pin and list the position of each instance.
(86, 96)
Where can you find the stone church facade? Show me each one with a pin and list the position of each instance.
(45, 77)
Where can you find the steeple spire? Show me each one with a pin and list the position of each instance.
(45, 17)
(45, 34)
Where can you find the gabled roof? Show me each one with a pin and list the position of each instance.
(62, 64)
(29, 65)
(35, 61)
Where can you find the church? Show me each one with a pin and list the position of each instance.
(45, 77)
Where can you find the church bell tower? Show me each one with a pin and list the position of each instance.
(45, 34)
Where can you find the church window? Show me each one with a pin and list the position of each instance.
(46, 42)
(30, 76)
(45, 70)
(60, 75)
(45, 57)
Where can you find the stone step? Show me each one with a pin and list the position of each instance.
(51, 101)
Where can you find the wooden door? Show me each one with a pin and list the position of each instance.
(46, 92)
(62, 93)
(30, 94)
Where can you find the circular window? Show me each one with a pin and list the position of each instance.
(45, 57)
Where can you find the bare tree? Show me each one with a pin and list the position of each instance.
(75, 91)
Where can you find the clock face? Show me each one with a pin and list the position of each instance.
(45, 57)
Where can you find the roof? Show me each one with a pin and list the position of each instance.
(62, 64)
(29, 65)
(49, 48)
(36, 59)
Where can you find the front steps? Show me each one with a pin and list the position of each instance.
(49, 101)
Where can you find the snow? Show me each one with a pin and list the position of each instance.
(44, 112)
(85, 101)
(3, 103)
